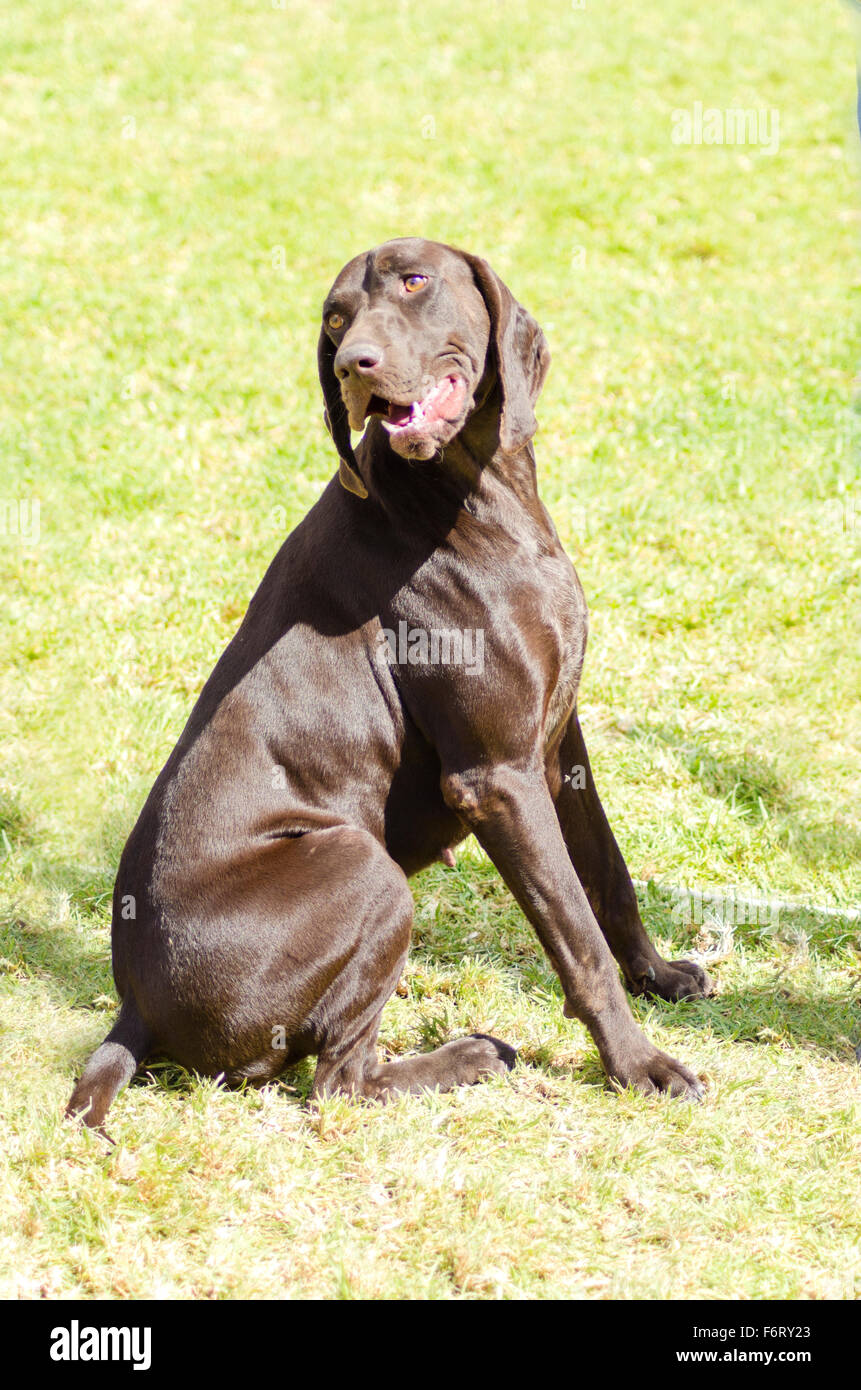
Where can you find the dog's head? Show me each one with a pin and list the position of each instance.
(422, 336)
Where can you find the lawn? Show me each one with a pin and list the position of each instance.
(181, 183)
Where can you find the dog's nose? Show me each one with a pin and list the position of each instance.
(362, 358)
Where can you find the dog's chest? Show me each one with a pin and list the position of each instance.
(559, 608)
(567, 619)
(503, 626)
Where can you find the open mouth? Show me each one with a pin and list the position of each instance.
(442, 403)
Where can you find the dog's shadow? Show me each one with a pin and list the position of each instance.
(753, 785)
(164, 1074)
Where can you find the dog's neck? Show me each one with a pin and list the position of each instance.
(467, 475)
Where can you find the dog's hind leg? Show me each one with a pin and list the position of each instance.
(332, 917)
(111, 1066)
(460, 1063)
(350, 1013)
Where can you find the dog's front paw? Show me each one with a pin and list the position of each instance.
(672, 980)
(652, 1072)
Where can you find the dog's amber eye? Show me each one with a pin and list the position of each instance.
(335, 321)
(415, 282)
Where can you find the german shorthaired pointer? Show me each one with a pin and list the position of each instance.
(406, 674)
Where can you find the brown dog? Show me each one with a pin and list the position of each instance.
(406, 673)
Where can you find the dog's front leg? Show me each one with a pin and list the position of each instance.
(601, 869)
(511, 813)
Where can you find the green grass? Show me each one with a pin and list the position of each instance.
(181, 184)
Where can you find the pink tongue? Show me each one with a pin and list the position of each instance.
(451, 400)
(442, 402)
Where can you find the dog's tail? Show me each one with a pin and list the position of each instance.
(111, 1066)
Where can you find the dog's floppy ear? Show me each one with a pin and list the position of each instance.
(336, 417)
(521, 353)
